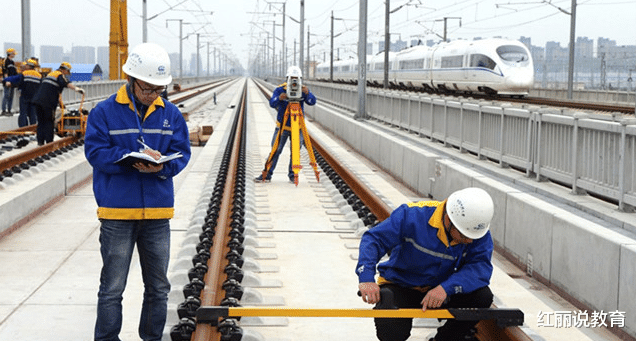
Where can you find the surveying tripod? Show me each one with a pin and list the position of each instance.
(295, 111)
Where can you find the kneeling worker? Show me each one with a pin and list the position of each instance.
(440, 257)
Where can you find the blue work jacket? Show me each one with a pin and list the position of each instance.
(28, 82)
(48, 93)
(113, 130)
(421, 254)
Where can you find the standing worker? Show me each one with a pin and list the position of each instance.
(279, 102)
(8, 71)
(136, 202)
(28, 82)
(46, 100)
(440, 257)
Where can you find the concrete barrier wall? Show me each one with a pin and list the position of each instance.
(581, 256)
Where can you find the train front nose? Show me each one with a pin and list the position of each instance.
(520, 80)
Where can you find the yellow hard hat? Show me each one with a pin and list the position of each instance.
(65, 65)
(32, 62)
(10, 51)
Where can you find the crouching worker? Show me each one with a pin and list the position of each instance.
(440, 257)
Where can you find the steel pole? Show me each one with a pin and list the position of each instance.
(301, 59)
(144, 26)
(362, 63)
(26, 30)
(387, 44)
(571, 60)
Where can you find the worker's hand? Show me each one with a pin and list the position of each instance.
(305, 90)
(283, 96)
(80, 90)
(148, 167)
(434, 298)
(7, 84)
(153, 153)
(370, 292)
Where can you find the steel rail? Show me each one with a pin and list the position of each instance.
(20, 131)
(211, 292)
(10, 162)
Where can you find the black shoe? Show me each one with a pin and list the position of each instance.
(260, 179)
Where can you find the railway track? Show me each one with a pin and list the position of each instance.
(30, 157)
(215, 278)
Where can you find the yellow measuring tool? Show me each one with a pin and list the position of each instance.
(295, 111)
(503, 317)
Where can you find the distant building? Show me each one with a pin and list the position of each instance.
(83, 54)
(174, 64)
(395, 46)
(50, 54)
(103, 59)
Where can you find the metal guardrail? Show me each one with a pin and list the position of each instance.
(572, 148)
(100, 90)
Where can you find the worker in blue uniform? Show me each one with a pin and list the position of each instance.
(8, 70)
(439, 257)
(135, 202)
(28, 82)
(279, 102)
(46, 99)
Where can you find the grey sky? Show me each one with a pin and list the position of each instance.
(86, 22)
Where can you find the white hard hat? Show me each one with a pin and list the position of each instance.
(150, 63)
(470, 210)
(294, 71)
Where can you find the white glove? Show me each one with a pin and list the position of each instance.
(80, 90)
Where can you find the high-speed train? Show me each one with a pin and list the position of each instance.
(493, 66)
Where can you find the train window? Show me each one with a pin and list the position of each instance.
(512, 54)
(452, 62)
(411, 64)
(480, 60)
(345, 68)
(379, 66)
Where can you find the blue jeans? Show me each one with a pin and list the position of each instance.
(7, 100)
(281, 144)
(118, 239)
(27, 115)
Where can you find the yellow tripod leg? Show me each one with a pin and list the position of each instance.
(310, 150)
(296, 113)
(268, 163)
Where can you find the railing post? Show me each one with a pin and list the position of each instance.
(461, 127)
(622, 153)
(537, 163)
(480, 133)
(432, 120)
(575, 152)
(502, 131)
(529, 145)
(445, 122)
